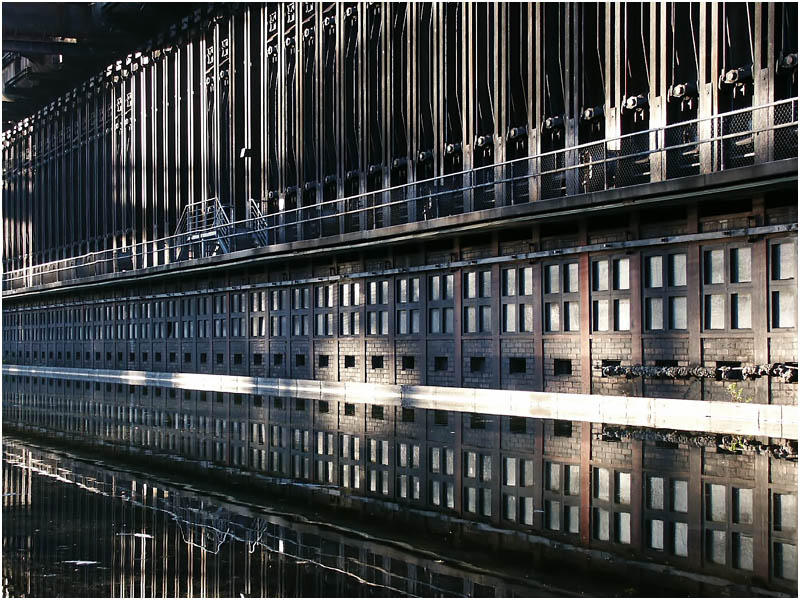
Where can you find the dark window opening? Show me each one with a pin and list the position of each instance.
(69, 355)
(203, 397)
(237, 359)
(562, 428)
(666, 363)
(237, 398)
(377, 362)
(517, 425)
(131, 356)
(258, 400)
(119, 356)
(516, 365)
(735, 375)
(349, 409)
(377, 412)
(408, 363)
(219, 397)
(203, 358)
(609, 363)
(187, 357)
(277, 403)
(408, 415)
(562, 366)
(440, 363)
(97, 356)
(299, 360)
(277, 360)
(299, 404)
(440, 417)
(323, 361)
(477, 363)
(322, 406)
(349, 361)
(477, 421)
(219, 359)
(667, 445)
(258, 359)
(144, 357)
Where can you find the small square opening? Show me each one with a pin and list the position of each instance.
(173, 357)
(277, 403)
(277, 360)
(408, 363)
(666, 363)
(322, 406)
(323, 361)
(187, 357)
(734, 375)
(144, 356)
(237, 359)
(440, 363)
(377, 412)
(300, 404)
(299, 360)
(562, 428)
(203, 358)
(477, 363)
(219, 397)
(440, 417)
(258, 400)
(158, 357)
(562, 366)
(477, 421)
(349, 361)
(258, 359)
(377, 362)
(516, 365)
(517, 425)
(349, 409)
(220, 358)
(408, 415)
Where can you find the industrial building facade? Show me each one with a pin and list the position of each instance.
(527, 196)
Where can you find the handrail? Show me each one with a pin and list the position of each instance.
(602, 159)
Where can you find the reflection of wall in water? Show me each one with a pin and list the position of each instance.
(168, 542)
(685, 505)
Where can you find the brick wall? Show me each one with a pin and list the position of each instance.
(739, 349)
(562, 347)
(519, 348)
(611, 347)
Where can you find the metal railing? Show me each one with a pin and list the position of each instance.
(735, 139)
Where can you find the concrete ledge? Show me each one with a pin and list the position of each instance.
(659, 413)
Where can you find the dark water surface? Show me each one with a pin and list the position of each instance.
(73, 527)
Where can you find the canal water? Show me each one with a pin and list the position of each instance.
(113, 490)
